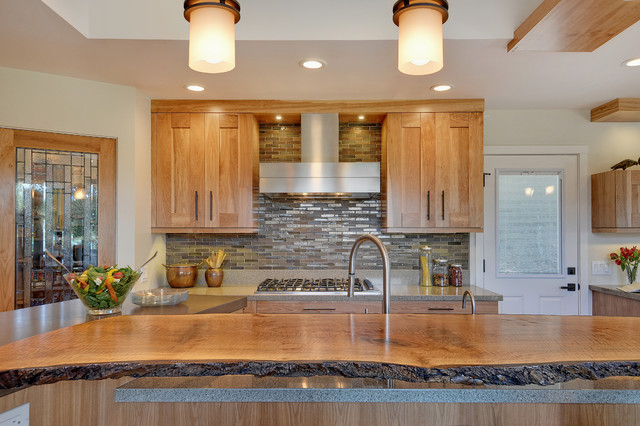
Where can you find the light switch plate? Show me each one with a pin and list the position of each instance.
(18, 416)
(600, 268)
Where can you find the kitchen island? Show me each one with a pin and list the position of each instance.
(64, 365)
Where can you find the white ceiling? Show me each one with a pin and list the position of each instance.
(143, 43)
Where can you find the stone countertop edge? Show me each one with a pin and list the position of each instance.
(368, 395)
(613, 290)
(509, 375)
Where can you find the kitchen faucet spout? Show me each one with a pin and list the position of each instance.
(473, 301)
(386, 282)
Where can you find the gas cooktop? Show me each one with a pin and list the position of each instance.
(334, 286)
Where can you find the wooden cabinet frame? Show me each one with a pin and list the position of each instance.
(10, 139)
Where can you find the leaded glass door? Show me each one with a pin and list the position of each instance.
(56, 210)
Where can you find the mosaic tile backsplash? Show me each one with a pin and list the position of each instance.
(317, 234)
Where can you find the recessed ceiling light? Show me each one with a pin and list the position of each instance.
(441, 87)
(195, 88)
(278, 117)
(312, 64)
(632, 62)
(361, 117)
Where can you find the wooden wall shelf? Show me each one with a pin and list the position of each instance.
(574, 25)
(618, 110)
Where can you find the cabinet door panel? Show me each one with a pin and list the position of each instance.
(228, 181)
(443, 170)
(428, 156)
(179, 169)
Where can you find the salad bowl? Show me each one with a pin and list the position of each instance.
(103, 289)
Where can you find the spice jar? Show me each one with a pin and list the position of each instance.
(425, 266)
(455, 275)
(440, 273)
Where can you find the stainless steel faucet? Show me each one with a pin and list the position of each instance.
(386, 282)
(473, 301)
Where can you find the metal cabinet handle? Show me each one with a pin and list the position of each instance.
(319, 309)
(210, 205)
(440, 309)
(428, 205)
(442, 205)
(196, 206)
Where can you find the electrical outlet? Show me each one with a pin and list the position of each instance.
(18, 416)
(145, 274)
(600, 268)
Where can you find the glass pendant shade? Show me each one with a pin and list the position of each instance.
(420, 41)
(212, 38)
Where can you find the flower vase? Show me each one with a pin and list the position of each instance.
(631, 274)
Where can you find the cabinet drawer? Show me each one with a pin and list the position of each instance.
(317, 307)
(445, 307)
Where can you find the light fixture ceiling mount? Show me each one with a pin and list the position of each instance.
(420, 35)
(212, 36)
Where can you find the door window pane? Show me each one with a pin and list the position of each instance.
(56, 211)
(529, 223)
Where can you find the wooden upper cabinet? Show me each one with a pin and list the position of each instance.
(615, 201)
(434, 172)
(203, 170)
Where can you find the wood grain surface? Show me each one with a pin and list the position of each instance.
(426, 341)
(574, 25)
(260, 107)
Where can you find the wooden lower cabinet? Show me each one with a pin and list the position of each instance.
(313, 307)
(362, 307)
(608, 305)
(442, 307)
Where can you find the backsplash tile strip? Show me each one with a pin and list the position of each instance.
(316, 234)
(298, 234)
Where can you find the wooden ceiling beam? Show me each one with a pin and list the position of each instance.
(619, 110)
(574, 25)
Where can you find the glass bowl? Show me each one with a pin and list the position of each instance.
(159, 296)
(103, 297)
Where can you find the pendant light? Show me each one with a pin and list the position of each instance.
(420, 35)
(212, 34)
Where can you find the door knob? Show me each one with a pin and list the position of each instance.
(570, 287)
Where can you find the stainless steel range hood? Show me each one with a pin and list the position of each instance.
(320, 174)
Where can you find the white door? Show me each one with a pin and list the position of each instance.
(531, 233)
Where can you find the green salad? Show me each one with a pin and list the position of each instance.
(103, 287)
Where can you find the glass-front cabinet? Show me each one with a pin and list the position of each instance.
(56, 211)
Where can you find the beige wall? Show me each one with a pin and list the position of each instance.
(37, 101)
(607, 143)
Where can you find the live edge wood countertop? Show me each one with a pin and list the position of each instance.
(498, 349)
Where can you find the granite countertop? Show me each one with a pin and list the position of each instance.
(610, 390)
(399, 292)
(613, 290)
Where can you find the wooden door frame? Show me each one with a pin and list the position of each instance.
(476, 242)
(10, 139)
